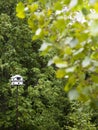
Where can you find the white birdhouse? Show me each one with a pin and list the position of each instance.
(16, 80)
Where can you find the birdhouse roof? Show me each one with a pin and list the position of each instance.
(16, 76)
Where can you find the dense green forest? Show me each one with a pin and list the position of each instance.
(42, 102)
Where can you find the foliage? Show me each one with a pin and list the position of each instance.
(69, 27)
(79, 117)
(42, 103)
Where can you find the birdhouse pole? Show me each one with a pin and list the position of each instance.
(17, 81)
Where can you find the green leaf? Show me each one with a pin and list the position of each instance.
(60, 24)
(94, 78)
(86, 62)
(94, 28)
(96, 6)
(21, 15)
(45, 46)
(70, 83)
(59, 62)
(94, 56)
(60, 73)
(20, 8)
(85, 11)
(58, 5)
(67, 50)
(33, 7)
(70, 69)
